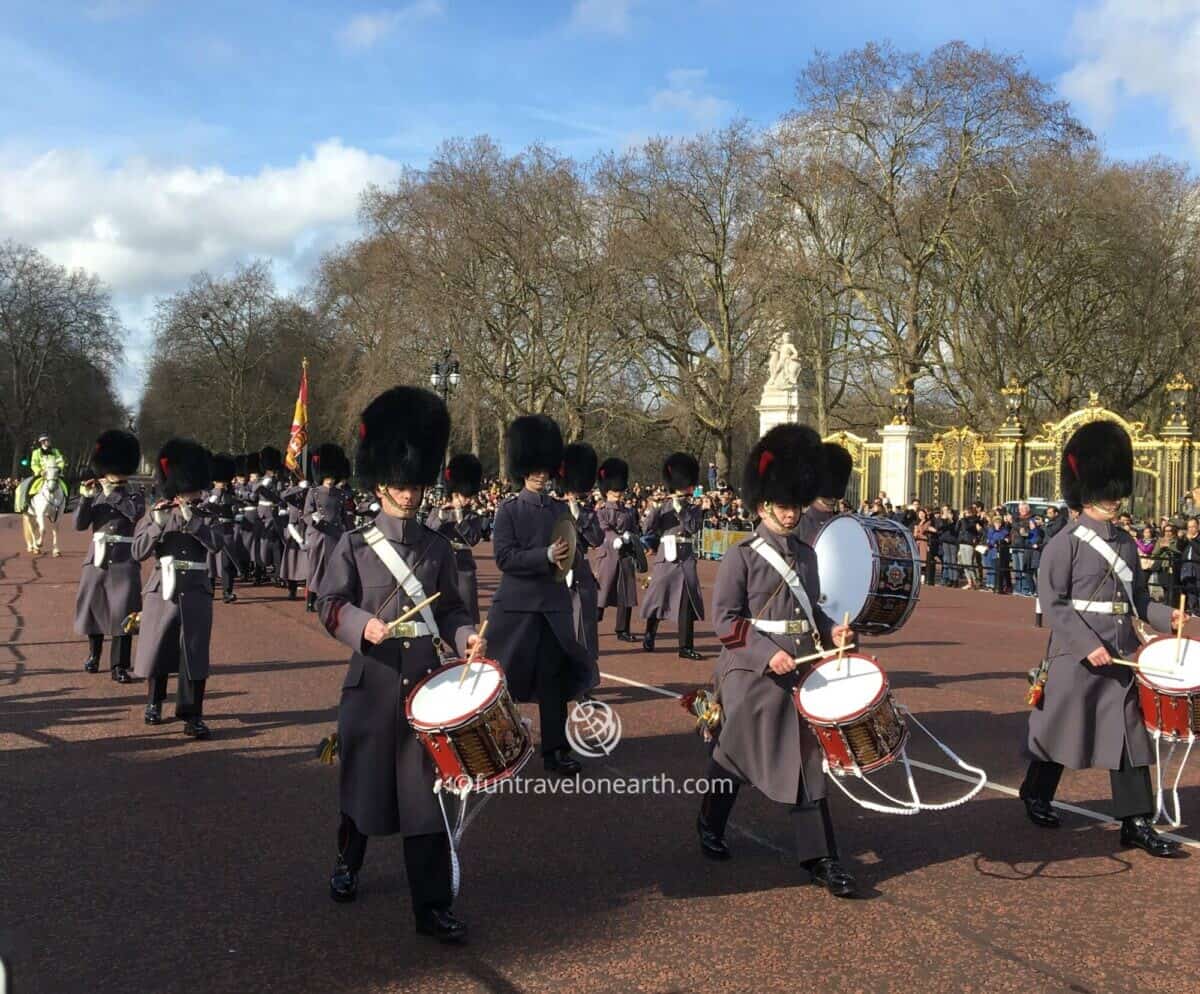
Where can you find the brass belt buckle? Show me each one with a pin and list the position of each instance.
(403, 629)
(796, 627)
(1120, 607)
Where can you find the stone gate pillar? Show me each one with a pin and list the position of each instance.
(1010, 470)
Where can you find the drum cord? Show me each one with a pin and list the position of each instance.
(902, 807)
(1160, 813)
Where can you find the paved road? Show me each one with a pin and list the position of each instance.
(135, 860)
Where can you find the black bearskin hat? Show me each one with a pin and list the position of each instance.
(224, 468)
(183, 466)
(116, 452)
(614, 475)
(272, 459)
(329, 461)
(402, 438)
(534, 443)
(253, 464)
(464, 474)
(835, 474)
(783, 468)
(579, 465)
(681, 471)
(1097, 465)
(239, 465)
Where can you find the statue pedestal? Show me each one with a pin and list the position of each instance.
(778, 405)
(898, 464)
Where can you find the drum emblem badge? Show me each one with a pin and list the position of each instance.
(895, 576)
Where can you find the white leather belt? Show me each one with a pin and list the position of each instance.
(1101, 607)
(793, 627)
(108, 539)
(266, 503)
(460, 547)
(183, 565)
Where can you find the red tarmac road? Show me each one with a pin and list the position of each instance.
(135, 860)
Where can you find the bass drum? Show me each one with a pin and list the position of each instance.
(869, 570)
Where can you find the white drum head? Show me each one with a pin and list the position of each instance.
(830, 693)
(845, 565)
(441, 701)
(1160, 655)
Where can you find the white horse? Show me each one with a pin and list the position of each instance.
(43, 510)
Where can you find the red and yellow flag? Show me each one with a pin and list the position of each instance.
(298, 443)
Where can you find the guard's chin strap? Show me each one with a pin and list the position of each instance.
(770, 509)
(401, 512)
(1103, 513)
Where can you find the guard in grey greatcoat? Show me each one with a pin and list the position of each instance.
(579, 466)
(246, 523)
(268, 535)
(1090, 583)
(225, 507)
(763, 626)
(835, 479)
(386, 777)
(460, 524)
(176, 625)
(293, 566)
(326, 513)
(110, 586)
(674, 590)
(616, 567)
(530, 624)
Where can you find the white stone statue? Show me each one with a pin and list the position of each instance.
(783, 369)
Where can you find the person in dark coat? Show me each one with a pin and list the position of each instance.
(293, 564)
(763, 626)
(225, 507)
(579, 467)
(615, 563)
(386, 777)
(835, 480)
(177, 617)
(460, 524)
(110, 586)
(246, 524)
(1090, 583)
(268, 535)
(530, 624)
(327, 514)
(676, 523)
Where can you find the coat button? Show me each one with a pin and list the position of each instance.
(408, 645)
(405, 681)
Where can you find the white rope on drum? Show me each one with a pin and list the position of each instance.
(1161, 813)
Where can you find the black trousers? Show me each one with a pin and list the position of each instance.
(426, 861)
(551, 689)
(1132, 792)
(228, 571)
(95, 647)
(121, 652)
(687, 625)
(812, 825)
(624, 618)
(189, 695)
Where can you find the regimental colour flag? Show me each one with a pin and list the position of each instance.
(298, 443)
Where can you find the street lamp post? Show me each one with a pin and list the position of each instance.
(444, 377)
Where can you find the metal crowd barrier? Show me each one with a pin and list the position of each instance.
(715, 541)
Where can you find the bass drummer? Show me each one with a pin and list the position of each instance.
(835, 479)
(766, 613)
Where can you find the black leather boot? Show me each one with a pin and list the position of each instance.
(153, 715)
(1041, 813)
(343, 883)
(561, 761)
(1139, 832)
(195, 728)
(827, 872)
(95, 648)
(442, 925)
(310, 603)
(649, 636)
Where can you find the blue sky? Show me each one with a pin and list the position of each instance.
(148, 139)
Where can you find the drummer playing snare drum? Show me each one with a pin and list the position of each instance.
(765, 607)
(372, 576)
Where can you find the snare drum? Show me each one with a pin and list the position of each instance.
(850, 709)
(473, 732)
(868, 569)
(1170, 704)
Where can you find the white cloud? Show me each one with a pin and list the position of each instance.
(1138, 48)
(684, 94)
(609, 17)
(366, 30)
(146, 229)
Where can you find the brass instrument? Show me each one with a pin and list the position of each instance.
(132, 624)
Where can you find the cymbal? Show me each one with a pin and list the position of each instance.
(564, 528)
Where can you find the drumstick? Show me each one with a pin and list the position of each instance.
(842, 647)
(415, 609)
(1144, 668)
(474, 653)
(1179, 634)
(823, 654)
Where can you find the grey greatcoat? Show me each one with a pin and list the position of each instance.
(225, 507)
(529, 593)
(108, 594)
(615, 568)
(585, 590)
(463, 535)
(294, 566)
(671, 582)
(175, 634)
(811, 522)
(763, 739)
(327, 517)
(245, 524)
(1087, 716)
(268, 535)
(386, 777)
